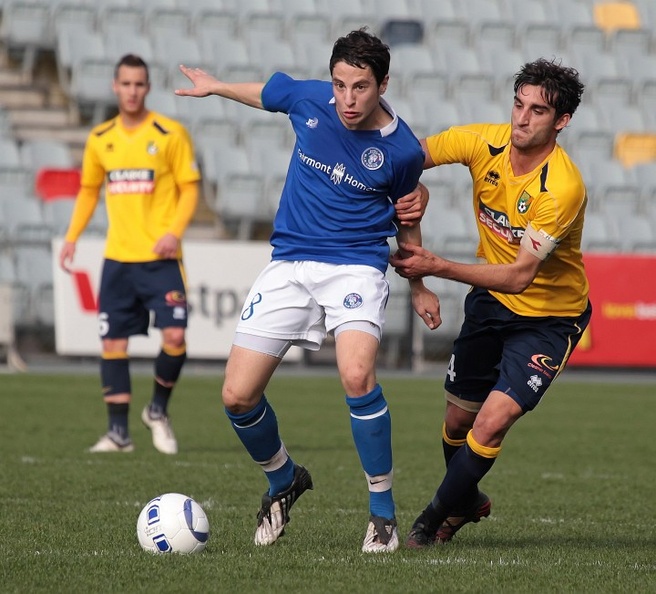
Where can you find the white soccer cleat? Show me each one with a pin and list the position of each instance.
(110, 442)
(162, 432)
(381, 537)
(274, 513)
(271, 526)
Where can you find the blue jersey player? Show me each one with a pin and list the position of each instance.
(352, 160)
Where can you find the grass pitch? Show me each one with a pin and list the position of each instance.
(573, 493)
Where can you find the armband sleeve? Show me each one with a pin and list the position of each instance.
(538, 243)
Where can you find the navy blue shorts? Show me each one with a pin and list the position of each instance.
(130, 291)
(500, 350)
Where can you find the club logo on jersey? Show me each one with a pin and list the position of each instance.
(130, 181)
(545, 361)
(175, 299)
(524, 202)
(109, 147)
(151, 149)
(312, 123)
(544, 364)
(372, 158)
(353, 301)
(493, 177)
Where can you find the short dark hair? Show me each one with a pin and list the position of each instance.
(133, 61)
(361, 49)
(561, 85)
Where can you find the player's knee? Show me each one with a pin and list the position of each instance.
(357, 380)
(237, 401)
(115, 347)
(173, 338)
(458, 422)
(489, 433)
(455, 431)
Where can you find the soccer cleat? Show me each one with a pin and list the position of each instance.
(381, 536)
(111, 442)
(162, 433)
(480, 509)
(274, 513)
(424, 530)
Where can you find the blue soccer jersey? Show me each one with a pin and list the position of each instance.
(337, 202)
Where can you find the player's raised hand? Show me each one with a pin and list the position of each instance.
(204, 84)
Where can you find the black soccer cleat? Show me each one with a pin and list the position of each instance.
(274, 513)
(457, 519)
(424, 530)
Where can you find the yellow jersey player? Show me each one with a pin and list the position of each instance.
(528, 305)
(147, 166)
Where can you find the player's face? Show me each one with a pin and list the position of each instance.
(357, 96)
(131, 87)
(533, 120)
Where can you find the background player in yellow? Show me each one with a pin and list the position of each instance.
(529, 300)
(147, 166)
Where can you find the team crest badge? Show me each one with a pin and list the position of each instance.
(524, 202)
(372, 158)
(352, 301)
(151, 148)
(175, 299)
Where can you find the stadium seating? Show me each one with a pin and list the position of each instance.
(481, 10)
(571, 13)
(52, 183)
(240, 203)
(611, 16)
(530, 11)
(117, 19)
(599, 234)
(91, 87)
(26, 27)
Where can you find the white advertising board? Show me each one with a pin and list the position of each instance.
(219, 275)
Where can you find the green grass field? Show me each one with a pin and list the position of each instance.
(574, 504)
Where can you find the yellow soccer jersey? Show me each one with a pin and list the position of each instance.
(551, 199)
(142, 170)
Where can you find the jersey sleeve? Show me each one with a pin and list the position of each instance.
(560, 205)
(407, 174)
(93, 172)
(280, 92)
(462, 144)
(182, 158)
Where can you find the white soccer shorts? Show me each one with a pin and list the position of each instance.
(303, 301)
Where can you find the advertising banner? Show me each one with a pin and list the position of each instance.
(622, 331)
(219, 275)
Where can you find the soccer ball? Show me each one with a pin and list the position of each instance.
(173, 523)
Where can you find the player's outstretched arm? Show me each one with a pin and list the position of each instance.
(205, 84)
(415, 262)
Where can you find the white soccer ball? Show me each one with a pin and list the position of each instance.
(173, 523)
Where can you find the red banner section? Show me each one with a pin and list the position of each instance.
(622, 331)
